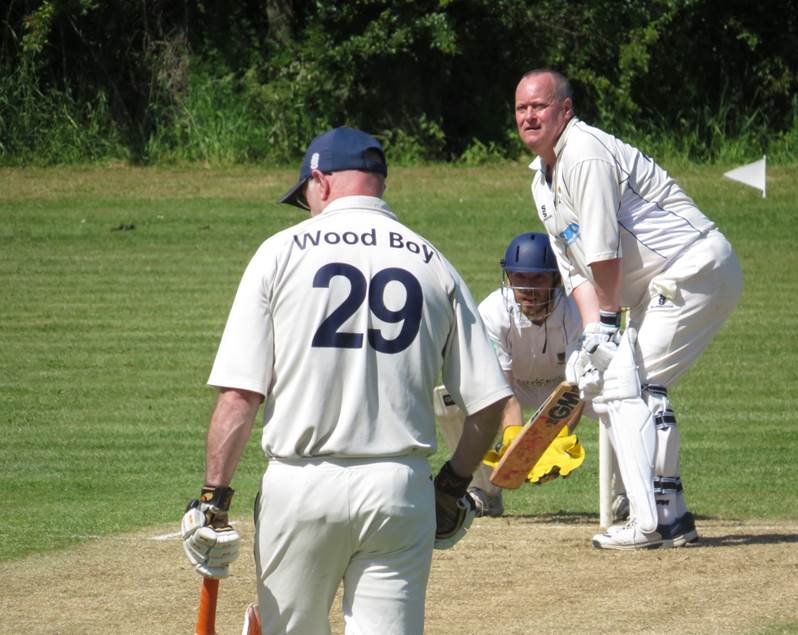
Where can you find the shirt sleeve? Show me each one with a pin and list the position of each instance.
(597, 197)
(471, 370)
(571, 278)
(245, 356)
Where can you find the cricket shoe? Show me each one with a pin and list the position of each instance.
(681, 532)
(486, 504)
(628, 537)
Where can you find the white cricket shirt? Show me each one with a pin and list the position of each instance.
(344, 322)
(532, 356)
(608, 200)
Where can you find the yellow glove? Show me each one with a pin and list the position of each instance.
(562, 457)
(493, 456)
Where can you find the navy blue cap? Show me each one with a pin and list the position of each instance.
(334, 151)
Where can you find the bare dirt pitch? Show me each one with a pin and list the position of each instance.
(509, 576)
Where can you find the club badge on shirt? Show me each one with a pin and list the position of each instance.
(570, 233)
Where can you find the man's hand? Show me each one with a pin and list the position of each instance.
(600, 339)
(209, 541)
(579, 371)
(454, 507)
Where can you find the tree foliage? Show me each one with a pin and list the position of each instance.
(155, 80)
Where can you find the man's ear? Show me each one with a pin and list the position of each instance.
(323, 183)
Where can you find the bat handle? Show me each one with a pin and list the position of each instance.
(206, 616)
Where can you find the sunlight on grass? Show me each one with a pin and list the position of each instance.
(117, 283)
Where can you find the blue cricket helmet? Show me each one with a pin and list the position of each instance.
(530, 252)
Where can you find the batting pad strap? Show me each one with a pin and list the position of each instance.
(664, 418)
(451, 483)
(667, 485)
(656, 389)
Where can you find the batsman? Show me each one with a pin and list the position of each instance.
(340, 326)
(626, 235)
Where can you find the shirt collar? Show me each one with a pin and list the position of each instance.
(563, 136)
(537, 164)
(359, 203)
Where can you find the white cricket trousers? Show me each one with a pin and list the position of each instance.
(687, 305)
(367, 522)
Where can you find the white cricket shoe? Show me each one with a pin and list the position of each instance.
(486, 504)
(627, 537)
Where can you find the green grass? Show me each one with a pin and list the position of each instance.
(107, 335)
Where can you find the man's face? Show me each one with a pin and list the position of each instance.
(539, 115)
(533, 292)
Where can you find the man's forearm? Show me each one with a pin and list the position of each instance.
(587, 302)
(479, 431)
(228, 433)
(512, 415)
(607, 277)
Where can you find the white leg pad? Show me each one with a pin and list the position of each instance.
(667, 480)
(634, 440)
(668, 438)
(632, 431)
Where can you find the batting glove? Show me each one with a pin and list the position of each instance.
(209, 541)
(600, 339)
(454, 507)
(579, 371)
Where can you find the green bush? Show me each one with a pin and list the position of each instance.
(53, 127)
(226, 83)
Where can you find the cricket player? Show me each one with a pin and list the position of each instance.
(341, 325)
(626, 235)
(532, 326)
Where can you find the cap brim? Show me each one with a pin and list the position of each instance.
(294, 196)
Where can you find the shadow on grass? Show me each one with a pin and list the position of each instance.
(727, 540)
(559, 518)
(736, 540)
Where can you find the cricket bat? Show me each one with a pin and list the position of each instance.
(561, 407)
(206, 616)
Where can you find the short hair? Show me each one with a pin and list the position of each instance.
(562, 87)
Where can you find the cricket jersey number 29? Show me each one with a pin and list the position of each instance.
(328, 334)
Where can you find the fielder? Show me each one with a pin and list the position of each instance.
(532, 326)
(626, 235)
(341, 325)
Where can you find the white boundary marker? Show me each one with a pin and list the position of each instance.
(752, 174)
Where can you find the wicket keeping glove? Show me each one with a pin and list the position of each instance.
(454, 507)
(562, 457)
(209, 541)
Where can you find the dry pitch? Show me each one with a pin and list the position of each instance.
(510, 575)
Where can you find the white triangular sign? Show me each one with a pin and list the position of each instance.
(753, 174)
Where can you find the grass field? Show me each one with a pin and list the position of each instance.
(117, 283)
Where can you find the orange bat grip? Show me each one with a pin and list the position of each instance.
(206, 616)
